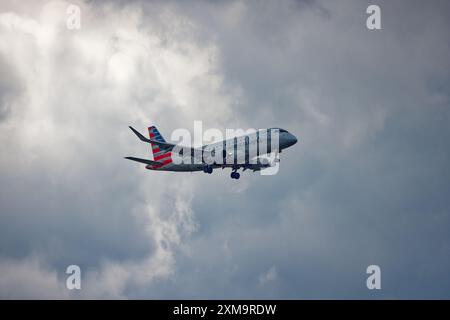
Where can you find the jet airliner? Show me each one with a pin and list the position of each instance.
(245, 152)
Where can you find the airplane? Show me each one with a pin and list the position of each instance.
(172, 157)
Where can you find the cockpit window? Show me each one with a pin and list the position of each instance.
(282, 130)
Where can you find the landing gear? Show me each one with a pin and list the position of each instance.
(208, 169)
(235, 175)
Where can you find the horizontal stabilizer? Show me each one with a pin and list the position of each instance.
(140, 136)
(151, 162)
(165, 145)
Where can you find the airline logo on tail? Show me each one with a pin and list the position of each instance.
(159, 153)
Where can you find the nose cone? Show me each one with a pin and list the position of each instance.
(287, 140)
(291, 140)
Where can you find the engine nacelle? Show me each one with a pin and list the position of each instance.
(264, 162)
(269, 160)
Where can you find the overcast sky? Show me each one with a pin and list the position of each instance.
(368, 182)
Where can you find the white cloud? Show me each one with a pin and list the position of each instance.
(29, 279)
(370, 110)
(81, 89)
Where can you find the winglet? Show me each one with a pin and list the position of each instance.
(140, 136)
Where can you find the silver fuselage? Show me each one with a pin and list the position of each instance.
(238, 152)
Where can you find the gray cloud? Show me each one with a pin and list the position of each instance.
(10, 89)
(367, 184)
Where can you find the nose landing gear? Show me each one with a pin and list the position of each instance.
(235, 175)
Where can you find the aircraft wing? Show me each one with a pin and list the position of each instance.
(151, 162)
(261, 163)
(254, 167)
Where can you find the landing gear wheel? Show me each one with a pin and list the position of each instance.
(208, 169)
(235, 175)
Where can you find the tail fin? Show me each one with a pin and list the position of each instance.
(155, 135)
(159, 153)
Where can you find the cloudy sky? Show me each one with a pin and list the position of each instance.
(368, 183)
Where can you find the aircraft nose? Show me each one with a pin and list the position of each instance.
(292, 139)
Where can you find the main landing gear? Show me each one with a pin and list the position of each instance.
(208, 169)
(235, 175)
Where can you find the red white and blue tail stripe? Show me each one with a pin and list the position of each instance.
(159, 153)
